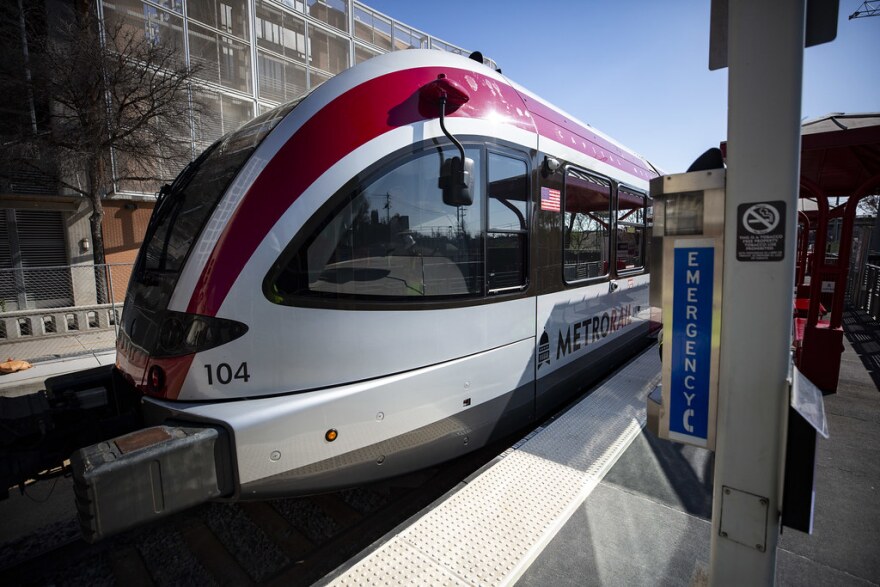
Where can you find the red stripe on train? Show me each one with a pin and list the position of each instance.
(553, 125)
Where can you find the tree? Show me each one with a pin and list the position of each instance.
(869, 205)
(118, 98)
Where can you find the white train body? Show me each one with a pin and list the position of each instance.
(316, 298)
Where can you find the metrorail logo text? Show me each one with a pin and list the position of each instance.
(586, 332)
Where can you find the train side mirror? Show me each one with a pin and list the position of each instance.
(457, 181)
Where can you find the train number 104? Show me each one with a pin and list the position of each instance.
(223, 373)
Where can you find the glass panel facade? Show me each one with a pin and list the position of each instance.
(316, 78)
(225, 114)
(297, 5)
(294, 50)
(228, 16)
(234, 112)
(362, 54)
(207, 125)
(144, 21)
(372, 28)
(280, 80)
(281, 32)
(407, 38)
(587, 205)
(332, 12)
(222, 59)
(328, 51)
(175, 5)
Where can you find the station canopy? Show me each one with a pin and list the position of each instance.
(840, 152)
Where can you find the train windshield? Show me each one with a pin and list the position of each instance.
(180, 215)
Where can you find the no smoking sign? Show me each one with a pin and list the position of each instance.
(760, 231)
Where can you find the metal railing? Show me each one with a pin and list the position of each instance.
(868, 298)
(50, 312)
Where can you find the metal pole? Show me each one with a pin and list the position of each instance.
(766, 44)
(109, 269)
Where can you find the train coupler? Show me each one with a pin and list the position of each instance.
(148, 474)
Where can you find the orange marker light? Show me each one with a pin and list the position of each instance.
(331, 435)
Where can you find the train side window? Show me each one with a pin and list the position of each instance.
(508, 223)
(587, 206)
(394, 238)
(632, 207)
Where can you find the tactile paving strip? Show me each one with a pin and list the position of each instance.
(493, 528)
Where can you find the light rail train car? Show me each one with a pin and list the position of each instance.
(417, 257)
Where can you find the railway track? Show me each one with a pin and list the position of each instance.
(293, 541)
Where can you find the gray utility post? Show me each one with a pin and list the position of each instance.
(765, 59)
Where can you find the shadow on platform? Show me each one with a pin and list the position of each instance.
(863, 333)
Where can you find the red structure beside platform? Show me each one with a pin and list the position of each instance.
(840, 158)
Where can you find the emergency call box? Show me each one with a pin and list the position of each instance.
(686, 274)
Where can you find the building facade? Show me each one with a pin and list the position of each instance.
(251, 55)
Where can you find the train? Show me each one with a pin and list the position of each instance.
(415, 258)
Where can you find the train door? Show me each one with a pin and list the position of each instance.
(509, 213)
(591, 277)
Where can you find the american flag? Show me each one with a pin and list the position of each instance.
(549, 199)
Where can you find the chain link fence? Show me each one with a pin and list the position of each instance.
(52, 312)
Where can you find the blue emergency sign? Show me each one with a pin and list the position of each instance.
(691, 340)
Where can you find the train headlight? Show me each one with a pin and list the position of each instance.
(171, 334)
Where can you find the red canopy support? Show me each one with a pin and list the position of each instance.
(840, 157)
(803, 252)
(818, 267)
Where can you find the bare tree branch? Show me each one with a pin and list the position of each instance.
(126, 101)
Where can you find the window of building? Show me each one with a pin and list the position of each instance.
(34, 270)
(131, 17)
(221, 59)
(317, 78)
(128, 166)
(228, 16)
(281, 32)
(234, 112)
(372, 28)
(280, 80)
(361, 54)
(508, 223)
(632, 207)
(587, 207)
(206, 124)
(328, 51)
(332, 12)
(269, 27)
(222, 114)
(296, 5)
(175, 5)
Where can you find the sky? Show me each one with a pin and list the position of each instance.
(638, 70)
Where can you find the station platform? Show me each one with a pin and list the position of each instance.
(595, 499)
(33, 379)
